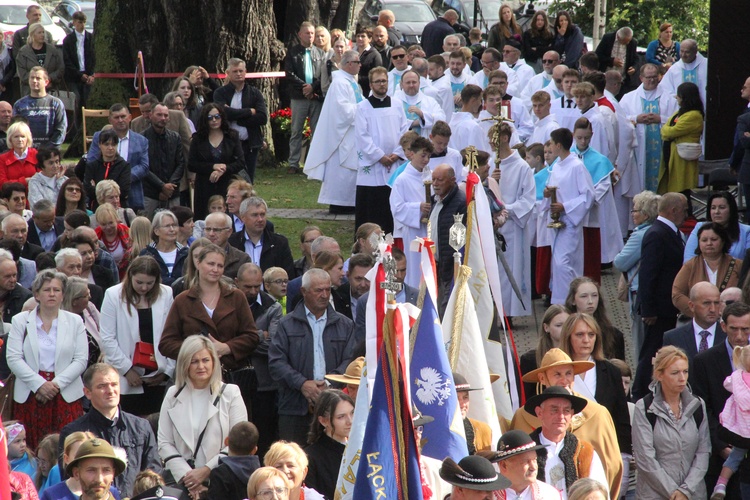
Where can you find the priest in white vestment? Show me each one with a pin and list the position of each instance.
(490, 60)
(519, 73)
(575, 196)
(692, 67)
(541, 80)
(421, 110)
(333, 153)
(518, 193)
(409, 206)
(400, 66)
(457, 77)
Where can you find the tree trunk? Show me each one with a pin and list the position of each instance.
(174, 34)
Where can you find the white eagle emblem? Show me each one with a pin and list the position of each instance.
(432, 387)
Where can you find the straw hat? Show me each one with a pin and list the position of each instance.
(352, 374)
(556, 357)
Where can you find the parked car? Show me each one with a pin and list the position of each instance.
(13, 18)
(67, 8)
(411, 17)
(489, 11)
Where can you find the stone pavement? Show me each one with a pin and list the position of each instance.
(307, 213)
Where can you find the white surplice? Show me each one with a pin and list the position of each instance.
(537, 82)
(378, 131)
(394, 80)
(602, 140)
(486, 125)
(518, 76)
(442, 88)
(542, 130)
(429, 107)
(465, 132)
(406, 196)
(333, 153)
(451, 157)
(575, 191)
(518, 194)
(680, 72)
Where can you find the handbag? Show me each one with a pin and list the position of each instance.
(623, 285)
(689, 151)
(68, 98)
(143, 357)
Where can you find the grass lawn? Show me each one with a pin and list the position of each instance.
(282, 190)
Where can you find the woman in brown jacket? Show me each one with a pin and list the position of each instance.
(212, 309)
(711, 263)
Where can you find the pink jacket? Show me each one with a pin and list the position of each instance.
(736, 414)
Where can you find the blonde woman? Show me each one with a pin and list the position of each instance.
(267, 483)
(108, 191)
(290, 459)
(140, 235)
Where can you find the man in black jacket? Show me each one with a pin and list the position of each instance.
(105, 419)
(618, 51)
(79, 68)
(44, 226)
(303, 65)
(265, 248)
(447, 202)
(435, 31)
(661, 260)
(166, 163)
(245, 109)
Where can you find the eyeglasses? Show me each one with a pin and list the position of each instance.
(548, 61)
(378, 82)
(398, 56)
(213, 117)
(215, 229)
(278, 492)
(73, 189)
(279, 282)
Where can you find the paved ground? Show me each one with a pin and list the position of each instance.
(306, 213)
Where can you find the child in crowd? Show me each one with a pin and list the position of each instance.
(228, 481)
(275, 281)
(476, 44)
(734, 417)
(216, 203)
(46, 456)
(405, 143)
(21, 459)
(535, 156)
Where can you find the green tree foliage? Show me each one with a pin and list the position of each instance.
(689, 17)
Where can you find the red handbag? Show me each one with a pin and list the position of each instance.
(144, 356)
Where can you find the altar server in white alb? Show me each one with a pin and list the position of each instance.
(603, 140)
(518, 111)
(541, 103)
(518, 194)
(441, 85)
(333, 153)
(421, 110)
(378, 127)
(493, 101)
(409, 206)
(443, 153)
(466, 131)
(575, 196)
(400, 66)
(692, 67)
(490, 60)
(457, 77)
(550, 59)
(603, 212)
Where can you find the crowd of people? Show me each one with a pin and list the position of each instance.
(160, 335)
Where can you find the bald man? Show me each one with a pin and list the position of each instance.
(704, 331)
(381, 44)
(729, 296)
(435, 31)
(387, 19)
(555, 88)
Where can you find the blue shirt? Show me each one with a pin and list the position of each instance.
(317, 325)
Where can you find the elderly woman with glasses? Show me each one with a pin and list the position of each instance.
(169, 254)
(215, 157)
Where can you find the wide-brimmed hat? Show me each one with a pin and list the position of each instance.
(553, 392)
(352, 374)
(513, 443)
(96, 448)
(474, 473)
(462, 384)
(420, 419)
(557, 357)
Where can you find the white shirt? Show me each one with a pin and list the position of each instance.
(709, 338)
(80, 37)
(237, 104)
(123, 146)
(586, 386)
(553, 460)
(47, 344)
(668, 223)
(168, 258)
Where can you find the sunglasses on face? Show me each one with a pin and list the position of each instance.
(398, 56)
(213, 117)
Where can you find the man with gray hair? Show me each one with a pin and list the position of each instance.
(320, 244)
(692, 67)
(218, 230)
(14, 226)
(333, 156)
(618, 51)
(435, 31)
(69, 262)
(312, 340)
(246, 111)
(265, 247)
(12, 298)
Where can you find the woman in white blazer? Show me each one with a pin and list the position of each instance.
(198, 403)
(135, 311)
(47, 352)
